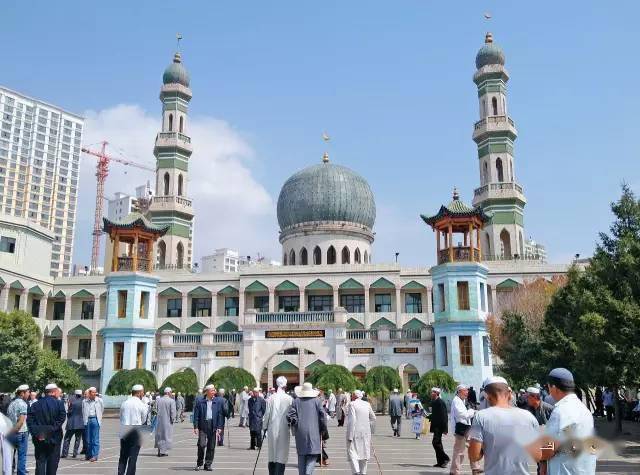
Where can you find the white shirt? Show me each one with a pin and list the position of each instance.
(459, 412)
(133, 412)
(570, 419)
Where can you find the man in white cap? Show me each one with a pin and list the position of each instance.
(461, 423)
(133, 414)
(92, 409)
(208, 423)
(45, 419)
(75, 424)
(166, 408)
(257, 408)
(439, 426)
(17, 413)
(537, 407)
(244, 406)
(360, 426)
(277, 427)
(500, 432)
(395, 412)
(308, 420)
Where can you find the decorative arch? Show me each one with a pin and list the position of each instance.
(331, 255)
(494, 105)
(317, 256)
(180, 129)
(286, 285)
(168, 326)
(180, 184)
(318, 284)
(166, 184)
(414, 324)
(256, 286)
(170, 122)
(304, 258)
(499, 169)
(383, 322)
(284, 259)
(486, 172)
(521, 244)
(366, 257)
(351, 284)
(197, 327)
(162, 253)
(359, 371)
(346, 255)
(180, 255)
(487, 244)
(356, 256)
(353, 324)
(505, 242)
(292, 258)
(227, 327)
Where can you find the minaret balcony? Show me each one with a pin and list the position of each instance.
(498, 191)
(173, 140)
(178, 203)
(495, 123)
(459, 254)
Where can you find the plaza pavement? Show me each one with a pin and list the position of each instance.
(404, 456)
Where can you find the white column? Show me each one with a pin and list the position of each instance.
(42, 314)
(336, 297)
(241, 305)
(429, 306)
(494, 299)
(186, 313)
(303, 301)
(65, 328)
(398, 307)
(24, 297)
(301, 363)
(366, 306)
(272, 299)
(4, 298)
(94, 328)
(270, 373)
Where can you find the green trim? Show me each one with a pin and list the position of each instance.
(382, 322)
(285, 367)
(168, 326)
(2, 282)
(414, 324)
(35, 290)
(170, 292)
(383, 283)
(179, 230)
(79, 330)
(508, 284)
(413, 285)
(173, 163)
(17, 285)
(228, 290)
(56, 332)
(495, 148)
(359, 369)
(256, 286)
(227, 327)
(353, 324)
(506, 217)
(59, 295)
(286, 285)
(200, 292)
(197, 327)
(314, 365)
(351, 284)
(318, 284)
(83, 294)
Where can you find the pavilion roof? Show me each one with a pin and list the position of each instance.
(455, 209)
(133, 220)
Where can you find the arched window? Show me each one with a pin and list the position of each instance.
(356, 256)
(487, 245)
(366, 257)
(292, 258)
(505, 243)
(511, 169)
(181, 124)
(180, 255)
(483, 108)
(486, 173)
(284, 259)
(317, 256)
(170, 122)
(166, 184)
(304, 260)
(521, 242)
(494, 105)
(331, 255)
(180, 184)
(499, 169)
(504, 106)
(162, 254)
(346, 255)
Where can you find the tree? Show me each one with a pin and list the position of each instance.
(380, 381)
(51, 369)
(434, 378)
(333, 376)
(19, 349)
(229, 377)
(122, 382)
(184, 381)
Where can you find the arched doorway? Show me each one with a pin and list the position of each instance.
(331, 255)
(359, 371)
(162, 254)
(292, 363)
(304, 260)
(346, 255)
(505, 243)
(409, 375)
(166, 184)
(317, 256)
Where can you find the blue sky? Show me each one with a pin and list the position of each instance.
(390, 82)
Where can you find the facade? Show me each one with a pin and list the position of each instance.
(120, 206)
(223, 260)
(39, 168)
(327, 303)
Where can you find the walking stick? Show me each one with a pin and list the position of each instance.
(375, 456)
(264, 433)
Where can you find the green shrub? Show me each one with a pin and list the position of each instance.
(434, 378)
(380, 381)
(184, 381)
(122, 382)
(333, 376)
(229, 378)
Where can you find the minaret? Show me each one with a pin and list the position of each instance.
(499, 195)
(170, 205)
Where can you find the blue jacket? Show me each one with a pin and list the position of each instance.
(74, 413)
(257, 408)
(45, 418)
(218, 413)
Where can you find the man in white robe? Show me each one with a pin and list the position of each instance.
(360, 425)
(244, 406)
(277, 427)
(331, 404)
(133, 414)
(166, 407)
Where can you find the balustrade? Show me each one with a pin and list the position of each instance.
(460, 253)
(295, 317)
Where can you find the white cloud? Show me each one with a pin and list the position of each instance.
(232, 208)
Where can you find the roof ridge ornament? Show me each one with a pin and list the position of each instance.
(456, 195)
(325, 156)
(488, 38)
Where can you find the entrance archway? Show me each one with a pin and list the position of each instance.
(292, 363)
(409, 375)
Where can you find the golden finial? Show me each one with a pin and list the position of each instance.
(456, 196)
(326, 138)
(488, 38)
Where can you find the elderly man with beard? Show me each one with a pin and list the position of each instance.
(208, 423)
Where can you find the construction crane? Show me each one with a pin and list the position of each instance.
(102, 171)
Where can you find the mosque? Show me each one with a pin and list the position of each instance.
(329, 303)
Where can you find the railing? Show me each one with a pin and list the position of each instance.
(187, 338)
(498, 187)
(406, 334)
(460, 254)
(227, 337)
(190, 268)
(362, 334)
(181, 200)
(494, 120)
(174, 135)
(514, 257)
(126, 264)
(294, 317)
(199, 338)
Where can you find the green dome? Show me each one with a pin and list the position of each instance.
(176, 73)
(490, 53)
(326, 192)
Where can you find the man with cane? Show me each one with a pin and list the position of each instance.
(308, 420)
(277, 428)
(208, 422)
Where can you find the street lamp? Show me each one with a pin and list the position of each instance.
(397, 254)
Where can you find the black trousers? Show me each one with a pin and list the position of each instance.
(79, 433)
(256, 439)
(611, 411)
(47, 457)
(206, 441)
(441, 456)
(276, 468)
(129, 450)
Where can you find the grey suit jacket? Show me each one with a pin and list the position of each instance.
(74, 413)
(395, 405)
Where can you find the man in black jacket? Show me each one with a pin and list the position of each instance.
(439, 426)
(208, 423)
(257, 408)
(45, 418)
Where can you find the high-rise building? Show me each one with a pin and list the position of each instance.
(223, 260)
(39, 168)
(122, 203)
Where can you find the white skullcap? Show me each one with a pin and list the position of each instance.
(23, 387)
(78, 392)
(51, 386)
(245, 388)
(532, 390)
(92, 388)
(138, 387)
(221, 390)
(209, 386)
(395, 390)
(358, 393)
(462, 386)
(436, 390)
(256, 389)
(281, 382)
(167, 390)
(146, 394)
(495, 380)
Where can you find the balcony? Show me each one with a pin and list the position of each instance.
(209, 338)
(173, 140)
(498, 190)
(179, 203)
(495, 123)
(460, 254)
(295, 317)
(126, 264)
(362, 335)
(392, 334)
